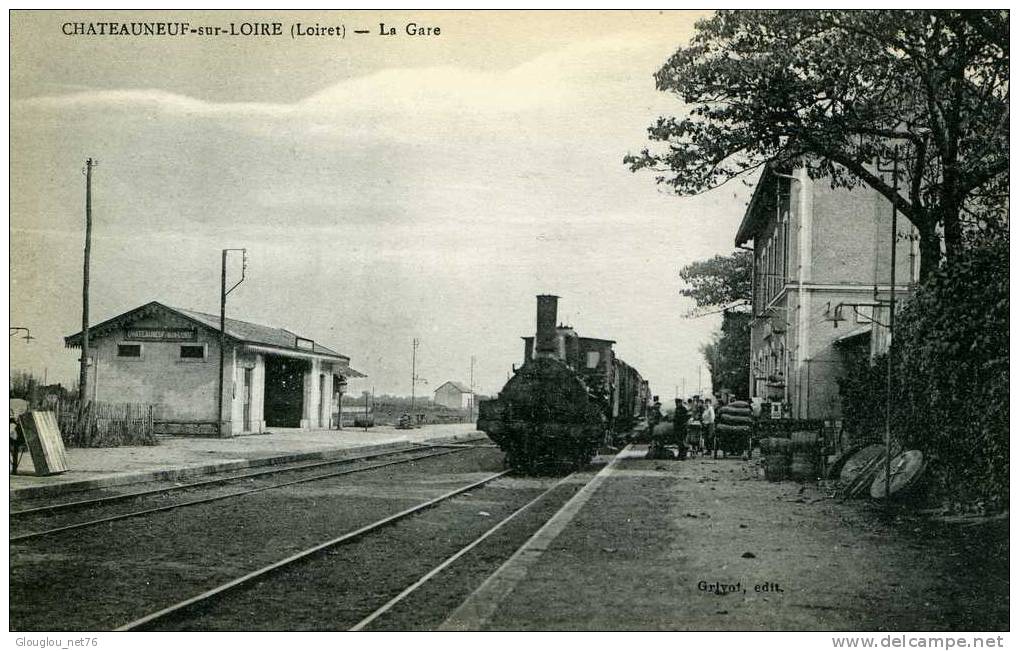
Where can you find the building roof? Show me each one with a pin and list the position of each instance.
(235, 329)
(854, 336)
(255, 333)
(753, 217)
(459, 386)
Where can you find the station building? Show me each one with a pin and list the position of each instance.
(821, 286)
(169, 357)
(454, 395)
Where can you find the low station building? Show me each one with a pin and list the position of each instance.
(169, 357)
(454, 395)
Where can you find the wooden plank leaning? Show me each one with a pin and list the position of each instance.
(42, 435)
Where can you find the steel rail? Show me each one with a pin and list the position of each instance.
(452, 559)
(218, 480)
(214, 498)
(247, 578)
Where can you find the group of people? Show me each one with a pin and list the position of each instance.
(696, 409)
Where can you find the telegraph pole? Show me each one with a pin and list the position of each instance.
(891, 320)
(83, 372)
(891, 332)
(223, 291)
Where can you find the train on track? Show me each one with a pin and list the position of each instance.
(571, 396)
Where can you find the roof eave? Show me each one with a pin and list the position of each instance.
(748, 226)
(300, 351)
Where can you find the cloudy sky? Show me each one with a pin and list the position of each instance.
(386, 188)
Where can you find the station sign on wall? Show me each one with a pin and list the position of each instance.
(161, 334)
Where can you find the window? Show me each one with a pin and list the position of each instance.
(192, 352)
(593, 357)
(129, 350)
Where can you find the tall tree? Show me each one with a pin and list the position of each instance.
(728, 355)
(716, 284)
(836, 91)
(720, 280)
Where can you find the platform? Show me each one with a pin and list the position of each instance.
(179, 457)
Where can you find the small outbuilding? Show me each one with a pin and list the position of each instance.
(454, 395)
(169, 357)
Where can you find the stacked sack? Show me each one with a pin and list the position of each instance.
(734, 428)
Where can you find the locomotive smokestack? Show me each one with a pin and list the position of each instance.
(545, 340)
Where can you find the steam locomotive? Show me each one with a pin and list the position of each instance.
(571, 395)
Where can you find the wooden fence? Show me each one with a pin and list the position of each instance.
(104, 424)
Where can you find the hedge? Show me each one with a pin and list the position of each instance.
(950, 388)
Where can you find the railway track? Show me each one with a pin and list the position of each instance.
(103, 501)
(199, 605)
(302, 555)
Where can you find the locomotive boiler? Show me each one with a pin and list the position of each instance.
(571, 396)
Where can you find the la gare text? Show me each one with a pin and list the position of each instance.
(250, 29)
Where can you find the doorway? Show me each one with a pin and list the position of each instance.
(284, 390)
(246, 398)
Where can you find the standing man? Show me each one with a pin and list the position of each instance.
(679, 421)
(694, 438)
(654, 417)
(654, 414)
(708, 418)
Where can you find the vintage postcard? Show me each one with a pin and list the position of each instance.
(583, 320)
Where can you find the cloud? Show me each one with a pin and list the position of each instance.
(577, 72)
(429, 201)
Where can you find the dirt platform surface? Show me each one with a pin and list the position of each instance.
(708, 545)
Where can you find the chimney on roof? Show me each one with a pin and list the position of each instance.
(545, 340)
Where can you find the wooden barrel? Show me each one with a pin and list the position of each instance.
(776, 466)
(804, 440)
(775, 444)
(776, 458)
(803, 465)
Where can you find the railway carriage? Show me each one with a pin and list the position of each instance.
(571, 395)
